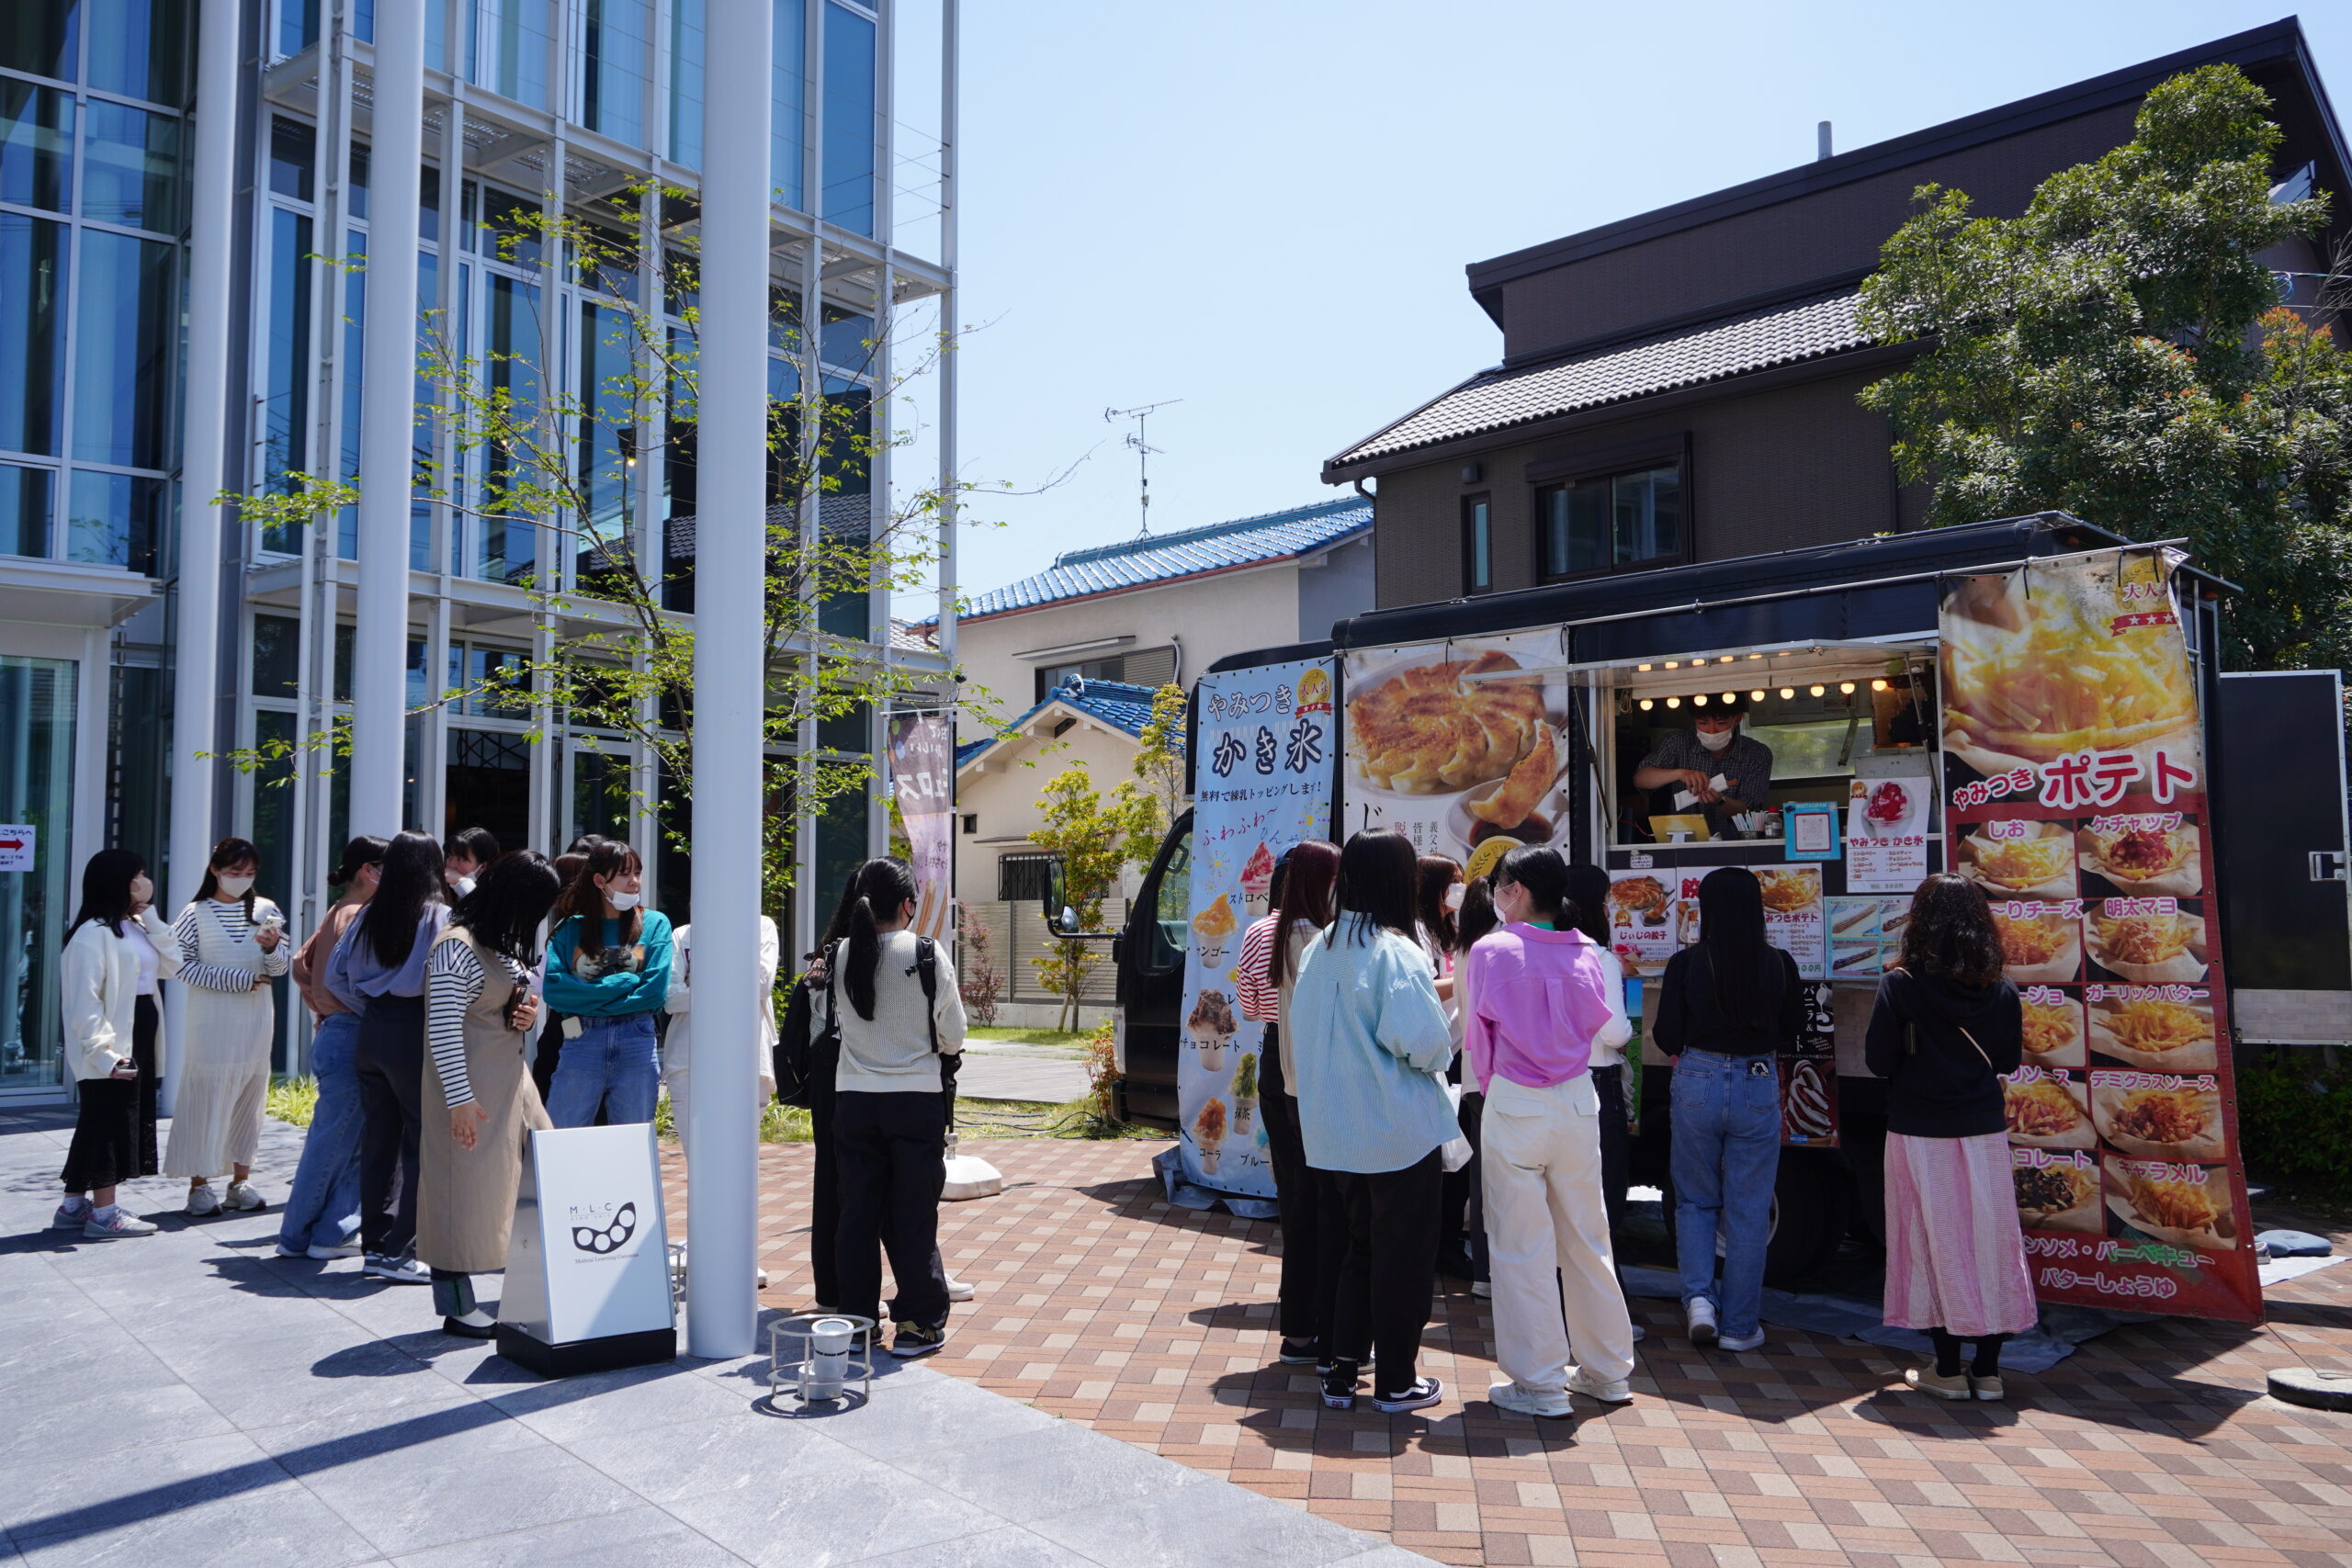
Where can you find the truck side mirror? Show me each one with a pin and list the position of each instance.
(1070, 920)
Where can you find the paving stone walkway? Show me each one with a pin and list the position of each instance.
(188, 1399)
(2152, 1447)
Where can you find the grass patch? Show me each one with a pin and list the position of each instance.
(293, 1099)
(779, 1122)
(1031, 1037)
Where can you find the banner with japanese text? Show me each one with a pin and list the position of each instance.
(1263, 757)
(2074, 759)
(922, 781)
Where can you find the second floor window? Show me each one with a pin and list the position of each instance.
(1477, 545)
(1612, 523)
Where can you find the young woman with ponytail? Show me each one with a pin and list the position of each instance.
(322, 1215)
(608, 972)
(889, 1120)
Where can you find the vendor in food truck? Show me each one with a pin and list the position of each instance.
(1693, 759)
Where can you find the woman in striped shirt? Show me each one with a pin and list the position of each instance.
(231, 944)
(480, 1102)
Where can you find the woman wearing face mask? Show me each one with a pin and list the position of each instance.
(1588, 899)
(115, 953)
(609, 971)
(465, 856)
(1437, 903)
(231, 944)
(321, 1214)
(1539, 1000)
(1691, 760)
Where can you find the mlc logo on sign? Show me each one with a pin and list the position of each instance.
(610, 1238)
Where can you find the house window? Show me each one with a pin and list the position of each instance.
(1025, 878)
(1613, 522)
(971, 821)
(1477, 545)
(1153, 667)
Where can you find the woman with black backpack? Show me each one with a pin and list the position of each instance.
(889, 1120)
(1945, 1027)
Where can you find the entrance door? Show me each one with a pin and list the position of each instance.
(488, 784)
(37, 698)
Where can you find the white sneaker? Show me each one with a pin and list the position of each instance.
(1482, 1289)
(1699, 1318)
(203, 1201)
(763, 1275)
(286, 1251)
(1549, 1406)
(1744, 1342)
(958, 1289)
(328, 1254)
(398, 1270)
(242, 1199)
(71, 1214)
(1640, 1333)
(1608, 1393)
(105, 1224)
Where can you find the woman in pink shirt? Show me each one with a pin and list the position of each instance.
(1537, 1001)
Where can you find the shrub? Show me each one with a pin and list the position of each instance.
(978, 978)
(293, 1099)
(2295, 1124)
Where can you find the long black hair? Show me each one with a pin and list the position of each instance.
(409, 885)
(1309, 873)
(105, 890)
(1378, 870)
(510, 899)
(1951, 935)
(365, 849)
(479, 845)
(582, 897)
(1589, 898)
(1747, 970)
(1477, 918)
(878, 892)
(1540, 870)
(1432, 876)
(226, 853)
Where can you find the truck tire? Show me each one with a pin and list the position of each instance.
(1812, 1206)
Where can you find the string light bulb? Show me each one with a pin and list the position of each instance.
(1787, 692)
(1757, 696)
(1674, 701)
(1878, 685)
(1847, 687)
(1674, 664)
(1699, 700)
(1648, 705)
(1642, 667)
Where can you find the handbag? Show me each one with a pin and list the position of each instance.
(1455, 1152)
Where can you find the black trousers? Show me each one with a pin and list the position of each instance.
(390, 1061)
(1616, 1144)
(1472, 1120)
(890, 1157)
(114, 1124)
(1388, 1272)
(825, 1185)
(1303, 1312)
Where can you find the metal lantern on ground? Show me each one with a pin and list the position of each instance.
(815, 1356)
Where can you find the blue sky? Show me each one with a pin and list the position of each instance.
(1264, 210)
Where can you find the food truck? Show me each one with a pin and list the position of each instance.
(2030, 703)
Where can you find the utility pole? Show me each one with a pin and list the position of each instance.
(1143, 451)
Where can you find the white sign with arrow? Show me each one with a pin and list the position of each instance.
(17, 847)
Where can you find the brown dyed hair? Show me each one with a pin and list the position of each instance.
(1951, 935)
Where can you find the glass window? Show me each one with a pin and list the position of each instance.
(849, 120)
(516, 33)
(124, 329)
(847, 339)
(286, 406)
(846, 732)
(33, 333)
(131, 173)
(509, 543)
(1611, 522)
(298, 25)
(24, 510)
(513, 222)
(606, 453)
(616, 49)
(489, 673)
(138, 48)
(36, 145)
(37, 713)
(276, 655)
(787, 145)
(114, 520)
(1477, 545)
(686, 46)
(428, 205)
(354, 368)
(37, 37)
(293, 148)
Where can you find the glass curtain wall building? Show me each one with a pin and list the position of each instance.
(532, 107)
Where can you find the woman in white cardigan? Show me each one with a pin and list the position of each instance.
(677, 1064)
(116, 953)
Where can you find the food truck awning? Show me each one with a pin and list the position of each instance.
(1753, 671)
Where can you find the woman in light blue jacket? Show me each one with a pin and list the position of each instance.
(1371, 1041)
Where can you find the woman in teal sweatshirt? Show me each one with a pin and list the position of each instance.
(608, 973)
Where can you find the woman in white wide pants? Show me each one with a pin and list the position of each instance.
(231, 944)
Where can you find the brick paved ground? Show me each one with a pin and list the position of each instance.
(2152, 1447)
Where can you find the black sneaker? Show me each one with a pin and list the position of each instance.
(1304, 1351)
(1424, 1392)
(1324, 1366)
(1340, 1386)
(914, 1339)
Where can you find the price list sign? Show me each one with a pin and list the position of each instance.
(2076, 771)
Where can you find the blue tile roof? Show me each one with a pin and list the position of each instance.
(1157, 558)
(1123, 707)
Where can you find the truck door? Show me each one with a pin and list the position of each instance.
(2280, 810)
(1151, 982)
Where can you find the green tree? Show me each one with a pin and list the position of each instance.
(1159, 759)
(1094, 837)
(2120, 352)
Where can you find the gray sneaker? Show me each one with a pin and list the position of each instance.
(120, 1222)
(398, 1270)
(203, 1201)
(242, 1199)
(71, 1214)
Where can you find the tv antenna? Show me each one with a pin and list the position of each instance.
(1143, 451)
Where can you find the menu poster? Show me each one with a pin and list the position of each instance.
(1642, 923)
(1263, 784)
(1794, 916)
(1809, 1076)
(2075, 758)
(1886, 833)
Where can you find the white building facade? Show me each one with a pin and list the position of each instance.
(188, 193)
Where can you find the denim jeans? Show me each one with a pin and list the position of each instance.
(324, 1208)
(1726, 1155)
(613, 1062)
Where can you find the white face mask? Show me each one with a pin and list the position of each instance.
(1716, 742)
(234, 886)
(624, 902)
(1454, 897)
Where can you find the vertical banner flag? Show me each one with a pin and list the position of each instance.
(1261, 783)
(2074, 759)
(923, 772)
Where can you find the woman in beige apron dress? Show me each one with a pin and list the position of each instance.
(479, 1102)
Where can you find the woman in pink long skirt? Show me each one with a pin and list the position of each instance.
(1945, 1027)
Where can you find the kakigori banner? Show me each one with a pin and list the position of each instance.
(2074, 767)
(1264, 749)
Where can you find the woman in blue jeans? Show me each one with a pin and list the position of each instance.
(1727, 1007)
(321, 1219)
(608, 973)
